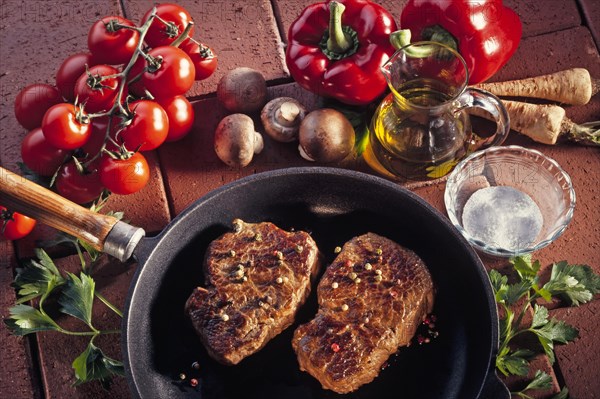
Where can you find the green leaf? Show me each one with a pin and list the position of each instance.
(505, 324)
(92, 364)
(525, 267)
(515, 363)
(517, 291)
(558, 331)
(540, 316)
(33, 279)
(499, 285)
(541, 380)
(553, 331)
(77, 297)
(577, 284)
(25, 319)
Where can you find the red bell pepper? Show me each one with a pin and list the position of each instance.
(484, 32)
(335, 49)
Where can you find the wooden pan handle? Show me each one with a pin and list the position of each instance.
(23, 196)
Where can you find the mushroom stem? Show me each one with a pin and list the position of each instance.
(287, 113)
(259, 143)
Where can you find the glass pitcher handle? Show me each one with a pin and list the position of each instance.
(477, 98)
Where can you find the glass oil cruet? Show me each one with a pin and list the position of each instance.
(421, 130)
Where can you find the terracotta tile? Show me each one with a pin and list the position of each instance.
(57, 351)
(191, 167)
(578, 361)
(549, 16)
(14, 356)
(250, 39)
(591, 13)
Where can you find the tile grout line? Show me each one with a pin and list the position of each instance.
(586, 20)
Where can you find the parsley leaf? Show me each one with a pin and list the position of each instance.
(525, 267)
(77, 297)
(32, 280)
(93, 364)
(577, 284)
(550, 331)
(514, 363)
(25, 319)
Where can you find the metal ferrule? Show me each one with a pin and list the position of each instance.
(122, 240)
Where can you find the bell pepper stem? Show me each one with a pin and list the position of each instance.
(337, 42)
(401, 38)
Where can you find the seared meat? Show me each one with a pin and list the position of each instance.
(256, 278)
(371, 299)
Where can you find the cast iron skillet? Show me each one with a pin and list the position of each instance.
(334, 205)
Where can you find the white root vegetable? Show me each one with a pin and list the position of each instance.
(546, 123)
(572, 86)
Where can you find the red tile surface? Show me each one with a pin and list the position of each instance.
(16, 379)
(578, 361)
(247, 33)
(591, 12)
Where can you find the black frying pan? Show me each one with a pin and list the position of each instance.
(334, 205)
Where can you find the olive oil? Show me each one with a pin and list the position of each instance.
(417, 132)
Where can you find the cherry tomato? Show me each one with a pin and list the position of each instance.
(124, 176)
(137, 88)
(69, 71)
(204, 59)
(76, 186)
(111, 44)
(181, 117)
(32, 103)
(63, 126)
(39, 156)
(161, 34)
(14, 225)
(174, 76)
(96, 92)
(148, 129)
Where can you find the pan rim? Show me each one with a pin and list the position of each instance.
(153, 242)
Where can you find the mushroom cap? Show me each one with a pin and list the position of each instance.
(281, 118)
(236, 141)
(326, 136)
(242, 90)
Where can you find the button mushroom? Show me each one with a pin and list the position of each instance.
(242, 90)
(281, 118)
(326, 136)
(236, 141)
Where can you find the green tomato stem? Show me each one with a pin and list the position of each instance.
(184, 34)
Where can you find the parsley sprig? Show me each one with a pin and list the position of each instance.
(574, 284)
(75, 295)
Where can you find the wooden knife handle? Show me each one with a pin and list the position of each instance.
(23, 196)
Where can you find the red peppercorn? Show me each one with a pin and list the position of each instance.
(335, 347)
(193, 382)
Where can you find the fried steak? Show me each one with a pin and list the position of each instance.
(371, 299)
(256, 278)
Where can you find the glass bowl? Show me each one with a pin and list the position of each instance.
(509, 201)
